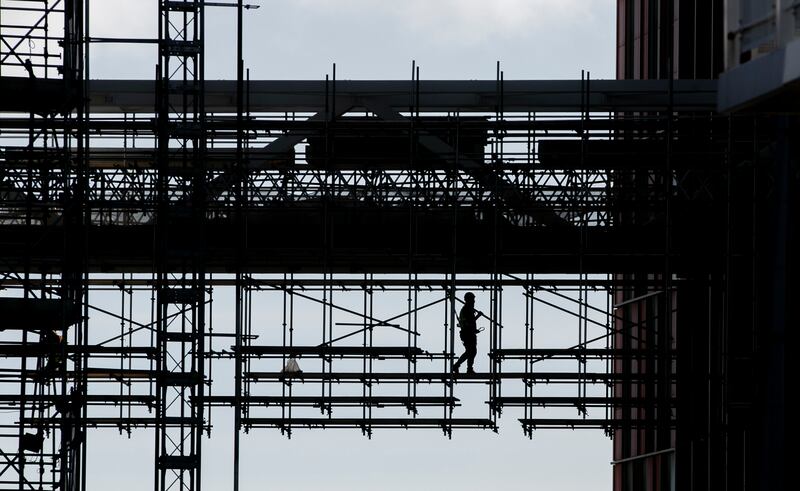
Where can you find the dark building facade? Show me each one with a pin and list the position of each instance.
(723, 323)
(656, 38)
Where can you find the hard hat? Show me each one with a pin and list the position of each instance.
(469, 296)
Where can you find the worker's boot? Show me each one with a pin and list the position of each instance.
(470, 370)
(455, 367)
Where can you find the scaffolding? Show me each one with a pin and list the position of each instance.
(360, 213)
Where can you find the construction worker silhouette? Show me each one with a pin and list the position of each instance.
(53, 342)
(469, 333)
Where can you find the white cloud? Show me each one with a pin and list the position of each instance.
(465, 21)
(124, 18)
(475, 20)
(377, 38)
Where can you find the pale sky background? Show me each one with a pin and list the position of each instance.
(377, 39)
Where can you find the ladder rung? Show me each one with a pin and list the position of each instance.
(174, 6)
(180, 337)
(182, 379)
(181, 48)
(179, 295)
(182, 462)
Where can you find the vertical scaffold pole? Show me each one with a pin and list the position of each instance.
(180, 244)
(240, 240)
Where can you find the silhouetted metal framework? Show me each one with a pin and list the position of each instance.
(343, 197)
(42, 42)
(180, 289)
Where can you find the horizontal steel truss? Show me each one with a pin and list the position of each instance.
(298, 96)
(510, 180)
(579, 188)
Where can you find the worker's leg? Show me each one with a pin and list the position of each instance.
(472, 351)
(465, 355)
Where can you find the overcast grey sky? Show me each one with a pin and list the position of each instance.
(377, 39)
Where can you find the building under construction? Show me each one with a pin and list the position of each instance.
(669, 193)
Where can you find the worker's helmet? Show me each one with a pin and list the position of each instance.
(469, 297)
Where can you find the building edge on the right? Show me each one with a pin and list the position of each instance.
(713, 338)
